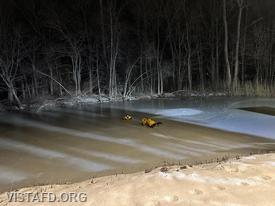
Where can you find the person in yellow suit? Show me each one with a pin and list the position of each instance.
(127, 117)
(144, 121)
(149, 122)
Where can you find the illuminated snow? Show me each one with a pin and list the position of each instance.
(212, 180)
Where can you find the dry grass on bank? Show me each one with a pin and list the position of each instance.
(253, 89)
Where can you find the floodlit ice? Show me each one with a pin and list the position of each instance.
(50, 154)
(67, 131)
(210, 144)
(8, 175)
(178, 112)
(217, 112)
(107, 156)
(91, 136)
(40, 152)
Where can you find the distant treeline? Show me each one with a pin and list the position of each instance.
(123, 47)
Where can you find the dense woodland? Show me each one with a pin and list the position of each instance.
(120, 48)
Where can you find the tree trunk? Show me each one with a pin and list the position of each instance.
(16, 97)
(51, 81)
(199, 54)
(98, 78)
(236, 72)
(35, 80)
(217, 56)
(90, 81)
(228, 69)
(103, 39)
(243, 50)
(141, 74)
(189, 68)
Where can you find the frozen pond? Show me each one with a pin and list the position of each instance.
(71, 144)
(215, 112)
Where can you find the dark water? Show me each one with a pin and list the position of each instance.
(75, 143)
(261, 110)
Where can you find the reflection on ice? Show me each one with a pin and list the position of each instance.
(9, 176)
(178, 112)
(105, 155)
(50, 154)
(67, 131)
(160, 152)
(40, 152)
(217, 112)
(191, 149)
(92, 136)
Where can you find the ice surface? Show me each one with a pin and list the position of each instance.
(105, 155)
(46, 153)
(8, 175)
(217, 112)
(86, 135)
(178, 112)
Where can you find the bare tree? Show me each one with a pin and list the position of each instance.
(226, 56)
(237, 48)
(72, 49)
(188, 48)
(110, 42)
(11, 56)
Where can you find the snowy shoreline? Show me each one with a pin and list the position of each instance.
(51, 102)
(247, 180)
(96, 99)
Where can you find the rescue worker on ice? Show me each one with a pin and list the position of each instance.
(149, 122)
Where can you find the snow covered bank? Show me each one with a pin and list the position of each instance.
(66, 101)
(49, 102)
(242, 181)
(87, 99)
